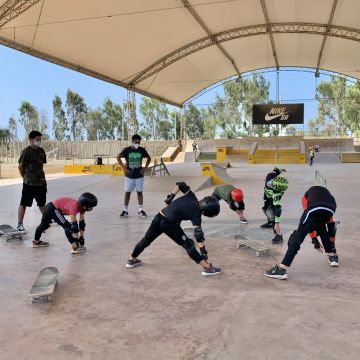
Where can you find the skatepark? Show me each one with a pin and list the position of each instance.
(165, 306)
(177, 53)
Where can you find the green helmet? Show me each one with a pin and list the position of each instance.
(280, 183)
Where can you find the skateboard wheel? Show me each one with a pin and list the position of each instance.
(257, 253)
(238, 246)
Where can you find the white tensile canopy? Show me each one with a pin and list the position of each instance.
(172, 49)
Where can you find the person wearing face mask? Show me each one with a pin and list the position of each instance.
(74, 230)
(134, 173)
(31, 162)
(233, 197)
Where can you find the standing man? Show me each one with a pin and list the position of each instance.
(134, 173)
(31, 162)
(317, 220)
(194, 145)
(233, 197)
(274, 189)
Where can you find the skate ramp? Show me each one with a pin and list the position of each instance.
(218, 174)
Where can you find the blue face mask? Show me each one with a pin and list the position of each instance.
(37, 143)
(136, 146)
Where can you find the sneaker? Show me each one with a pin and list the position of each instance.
(39, 243)
(131, 263)
(278, 239)
(276, 272)
(334, 260)
(267, 225)
(243, 221)
(124, 214)
(20, 227)
(211, 271)
(142, 213)
(78, 250)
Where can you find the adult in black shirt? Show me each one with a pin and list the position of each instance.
(134, 173)
(317, 220)
(168, 221)
(31, 162)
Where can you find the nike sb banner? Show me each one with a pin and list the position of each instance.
(283, 114)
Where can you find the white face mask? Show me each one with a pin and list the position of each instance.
(37, 143)
(135, 145)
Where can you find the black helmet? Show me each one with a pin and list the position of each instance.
(87, 199)
(209, 206)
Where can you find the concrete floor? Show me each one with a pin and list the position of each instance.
(165, 309)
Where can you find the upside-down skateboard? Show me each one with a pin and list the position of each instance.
(8, 232)
(259, 246)
(44, 285)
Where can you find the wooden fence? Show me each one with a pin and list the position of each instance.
(10, 151)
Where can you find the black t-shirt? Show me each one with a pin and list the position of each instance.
(134, 159)
(318, 196)
(185, 207)
(33, 159)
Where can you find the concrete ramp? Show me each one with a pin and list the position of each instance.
(218, 174)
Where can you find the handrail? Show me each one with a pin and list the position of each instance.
(320, 179)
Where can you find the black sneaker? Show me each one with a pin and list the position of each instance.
(39, 243)
(277, 273)
(267, 225)
(142, 214)
(334, 260)
(278, 239)
(124, 214)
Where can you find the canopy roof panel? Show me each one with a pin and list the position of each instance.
(172, 49)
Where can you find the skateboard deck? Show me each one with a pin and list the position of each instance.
(259, 246)
(8, 232)
(44, 285)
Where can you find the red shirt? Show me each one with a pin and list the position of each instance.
(67, 206)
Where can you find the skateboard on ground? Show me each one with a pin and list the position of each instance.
(259, 246)
(44, 285)
(8, 232)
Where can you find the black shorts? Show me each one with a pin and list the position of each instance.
(29, 193)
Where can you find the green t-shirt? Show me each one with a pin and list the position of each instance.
(33, 159)
(224, 192)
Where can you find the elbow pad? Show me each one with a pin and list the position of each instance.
(74, 227)
(277, 213)
(199, 234)
(82, 225)
(183, 187)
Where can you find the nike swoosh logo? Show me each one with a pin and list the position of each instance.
(272, 117)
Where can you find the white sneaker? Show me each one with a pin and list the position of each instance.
(20, 227)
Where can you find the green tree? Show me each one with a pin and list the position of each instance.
(331, 110)
(5, 135)
(193, 121)
(43, 124)
(29, 117)
(153, 111)
(76, 110)
(352, 109)
(209, 123)
(60, 124)
(12, 126)
(94, 124)
(112, 120)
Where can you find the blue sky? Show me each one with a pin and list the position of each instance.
(23, 77)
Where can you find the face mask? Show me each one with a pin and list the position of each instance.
(136, 145)
(37, 143)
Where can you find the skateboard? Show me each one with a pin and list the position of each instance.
(260, 247)
(44, 285)
(8, 232)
